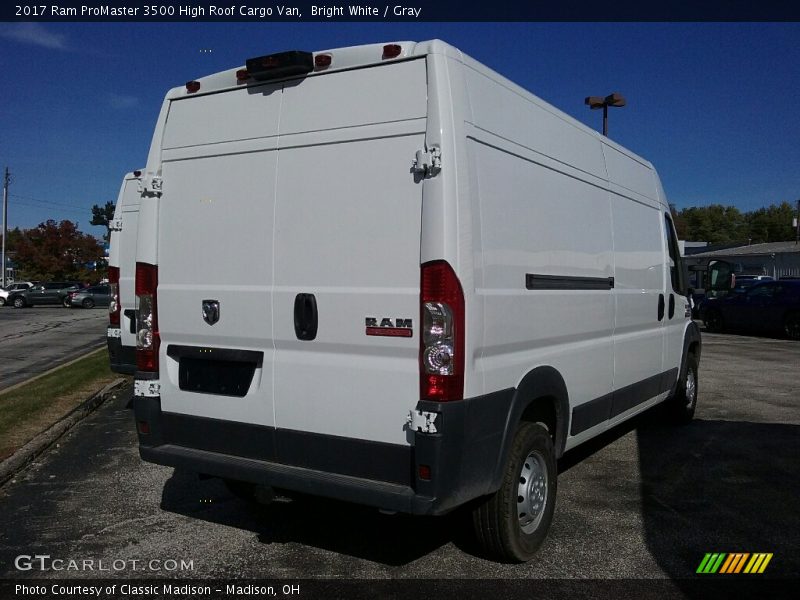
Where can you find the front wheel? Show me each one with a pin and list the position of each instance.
(2, 301)
(88, 303)
(682, 405)
(19, 302)
(66, 302)
(791, 326)
(512, 523)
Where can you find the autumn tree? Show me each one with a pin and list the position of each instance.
(57, 251)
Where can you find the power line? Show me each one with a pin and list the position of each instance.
(60, 209)
(47, 201)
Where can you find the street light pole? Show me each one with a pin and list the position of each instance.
(595, 102)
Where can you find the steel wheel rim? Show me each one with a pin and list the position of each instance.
(532, 492)
(691, 388)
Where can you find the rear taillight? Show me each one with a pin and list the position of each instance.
(147, 339)
(441, 355)
(114, 307)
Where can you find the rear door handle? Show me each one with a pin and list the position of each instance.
(671, 305)
(305, 317)
(660, 307)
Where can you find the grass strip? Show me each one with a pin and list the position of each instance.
(28, 410)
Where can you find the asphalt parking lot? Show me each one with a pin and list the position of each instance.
(646, 501)
(33, 340)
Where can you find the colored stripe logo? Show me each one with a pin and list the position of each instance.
(734, 562)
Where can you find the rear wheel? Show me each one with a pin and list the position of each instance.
(2, 301)
(19, 302)
(66, 302)
(682, 405)
(512, 523)
(713, 321)
(88, 303)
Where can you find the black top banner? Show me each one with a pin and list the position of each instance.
(407, 11)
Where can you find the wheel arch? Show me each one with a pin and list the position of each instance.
(692, 344)
(541, 396)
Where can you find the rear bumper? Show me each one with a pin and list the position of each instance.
(122, 358)
(462, 456)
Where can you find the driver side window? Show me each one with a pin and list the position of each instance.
(676, 273)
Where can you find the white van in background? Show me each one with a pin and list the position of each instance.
(388, 275)
(121, 332)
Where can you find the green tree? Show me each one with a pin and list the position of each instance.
(716, 224)
(772, 224)
(54, 251)
(719, 224)
(103, 216)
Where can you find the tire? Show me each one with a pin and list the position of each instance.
(512, 523)
(66, 303)
(19, 302)
(791, 326)
(682, 405)
(2, 301)
(713, 321)
(88, 303)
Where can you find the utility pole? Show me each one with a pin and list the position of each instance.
(6, 183)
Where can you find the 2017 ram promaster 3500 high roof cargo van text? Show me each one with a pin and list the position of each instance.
(388, 275)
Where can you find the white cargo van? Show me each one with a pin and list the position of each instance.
(121, 332)
(388, 275)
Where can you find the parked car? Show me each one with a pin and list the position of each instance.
(98, 295)
(52, 293)
(769, 306)
(18, 286)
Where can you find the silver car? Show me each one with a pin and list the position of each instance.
(97, 295)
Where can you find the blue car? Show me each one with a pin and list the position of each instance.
(769, 307)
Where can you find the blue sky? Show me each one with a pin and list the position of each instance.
(713, 106)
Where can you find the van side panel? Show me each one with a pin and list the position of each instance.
(639, 280)
(544, 213)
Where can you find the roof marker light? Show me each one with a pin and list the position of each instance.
(321, 61)
(192, 86)
(242, 75)
(391, 51)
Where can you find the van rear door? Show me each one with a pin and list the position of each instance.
(294, 204)
(130, 199)
(215, 248)
(347, 249)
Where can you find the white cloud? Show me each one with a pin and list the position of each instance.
(121, 102)
(33, 33)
